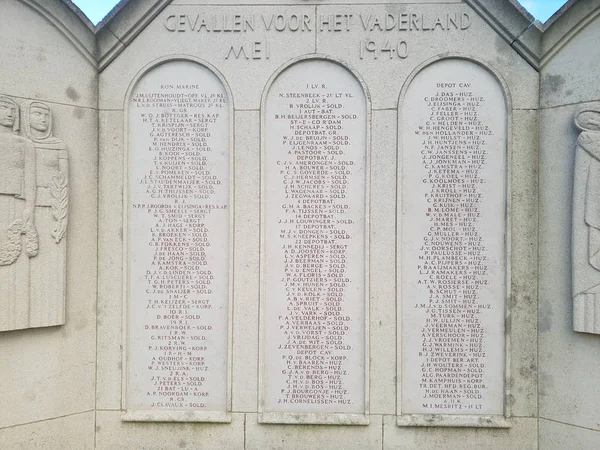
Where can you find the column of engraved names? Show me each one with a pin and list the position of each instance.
(180, 199)
(453, 256)
(317, 225)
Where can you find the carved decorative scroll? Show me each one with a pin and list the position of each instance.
(33, 218)
(586, 225)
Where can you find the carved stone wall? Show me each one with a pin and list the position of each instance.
(316, 311)
(34, 208)
(269, 159)
(586, 224)
(48, 226)
(568, 230)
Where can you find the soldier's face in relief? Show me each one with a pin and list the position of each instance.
(39, 118)
(7, 114)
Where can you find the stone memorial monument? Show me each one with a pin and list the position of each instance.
(309, 224)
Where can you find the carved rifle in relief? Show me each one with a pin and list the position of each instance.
(586, 225)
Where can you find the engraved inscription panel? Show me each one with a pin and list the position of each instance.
(314, 262)
(453, 252)
(179, 240)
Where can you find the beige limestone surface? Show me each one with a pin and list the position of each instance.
(522, 435)
(568, 360)
(314, 209)
(556, 435)
(453, 241)
(64, 385)
(564, 355)
(71, 431)
(247, 93)
(178, 250)
(49, 373)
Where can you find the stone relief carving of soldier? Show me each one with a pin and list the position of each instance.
(18, 237)
(48, 269)
(34, 203)
(586, 225)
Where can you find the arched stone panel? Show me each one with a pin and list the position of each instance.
(314, 291)
(178, 252)
(452, 246)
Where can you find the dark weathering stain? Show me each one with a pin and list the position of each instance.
(553, 83)
(501, 44)
(79, 113)
(73, 94)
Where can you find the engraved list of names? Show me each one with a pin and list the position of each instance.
(314, 241)
(453, 263)
(179, 243)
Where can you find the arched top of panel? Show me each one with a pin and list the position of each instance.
(465, 59)
(315, 204)
(454, 244)
(186, 59)
(316, 58)
(178, 217)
